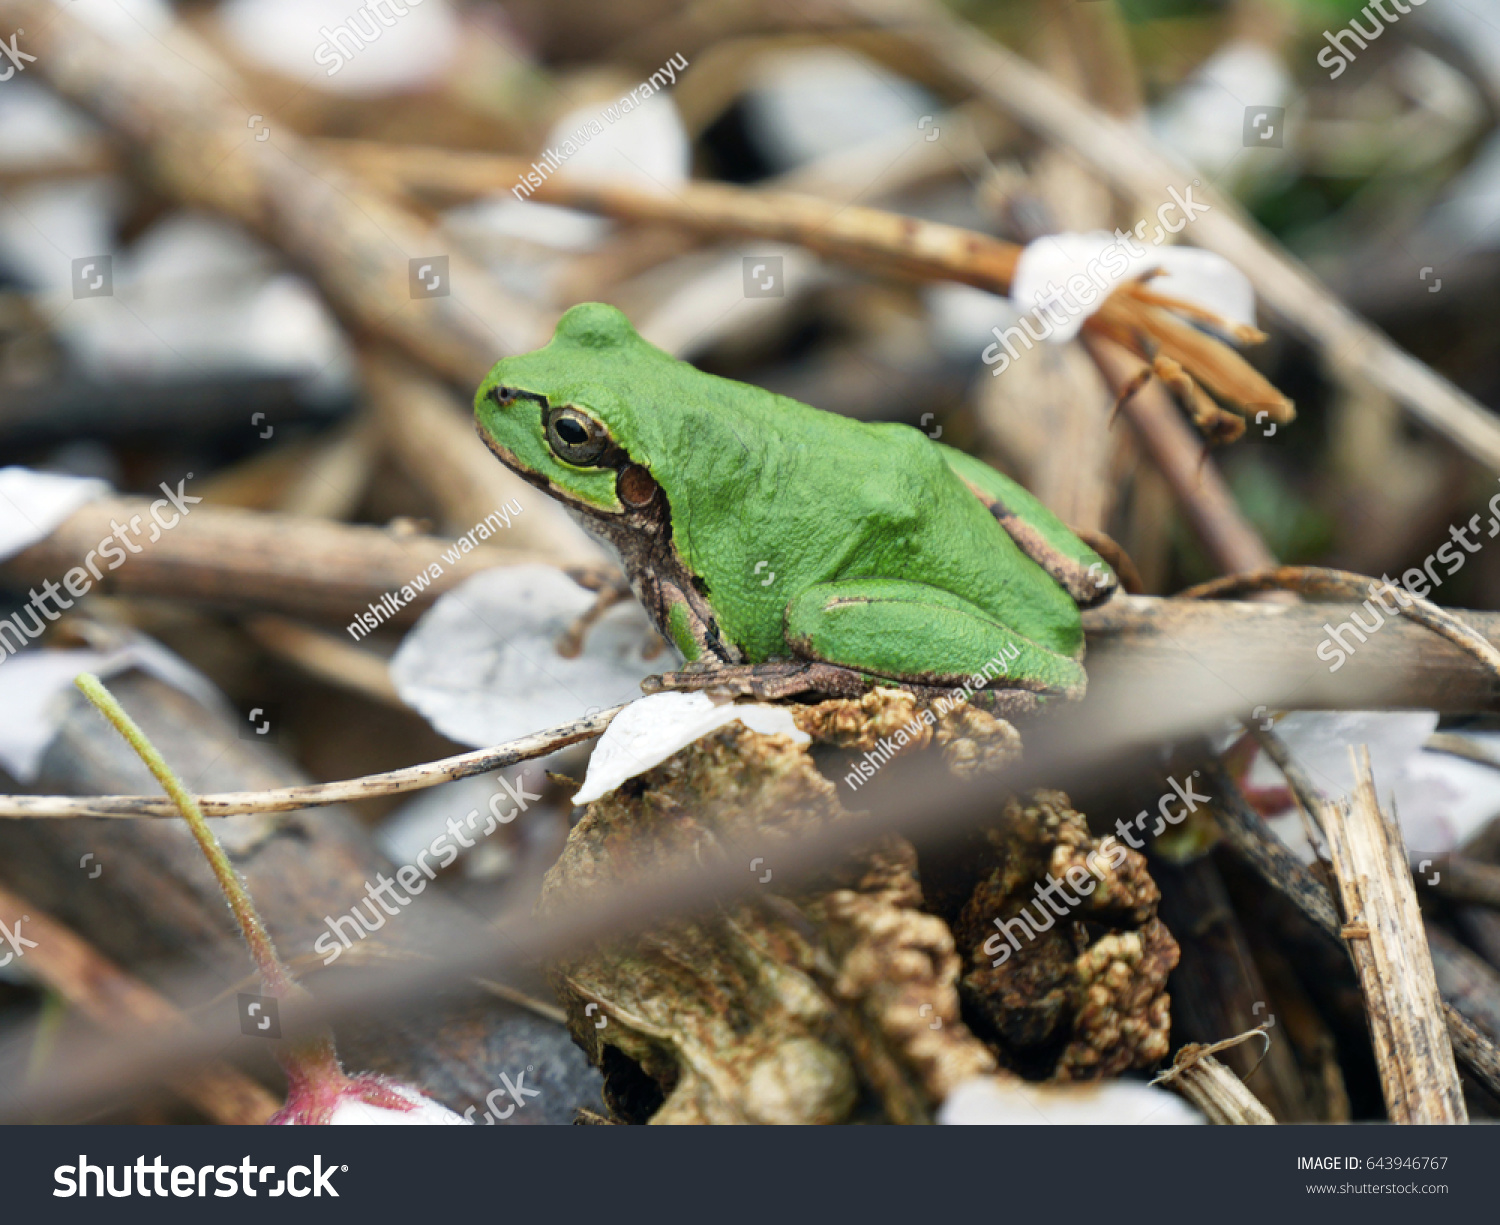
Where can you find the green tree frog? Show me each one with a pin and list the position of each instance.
(786, 550)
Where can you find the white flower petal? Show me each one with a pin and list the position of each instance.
(291, 38)
(1051, 260)
(36, 683)
(34, 504)
(483, 667)
(1439, 800)
(1201, 278)
(650, 730)
(992, 1101)
(1205, 279)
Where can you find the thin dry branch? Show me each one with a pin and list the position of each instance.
(108, 996)
(1222, 1096)
(1254, 842)
(864, 237)
(1305, 793)
(1461, 746)
(331, 659)
(1384, 933)
(1466, 880)
(1133, 643)
(426, 433)
(1465, 978)
(1342, 584)
(331, 481)
(1210, 509)
(311, 795)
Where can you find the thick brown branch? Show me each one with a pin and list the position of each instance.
(250, 560)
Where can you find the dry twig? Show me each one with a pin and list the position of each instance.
(1209, 507)
(1383, 930)
(1320, 581)
(865, 237)
(1212, 1087)
(250, 560)
(312, 795)
(1134, 642)
(331, 659)
(1254, 842)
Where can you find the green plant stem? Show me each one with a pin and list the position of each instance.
(262, 950)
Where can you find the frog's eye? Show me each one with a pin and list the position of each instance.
(575, 436)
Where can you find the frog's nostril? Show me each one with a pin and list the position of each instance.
(504, 397)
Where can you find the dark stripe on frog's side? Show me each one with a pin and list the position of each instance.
(640, 535)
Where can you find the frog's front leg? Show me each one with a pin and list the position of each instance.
(717, 665)
(921, 636)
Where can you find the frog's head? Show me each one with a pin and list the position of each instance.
(554, 418)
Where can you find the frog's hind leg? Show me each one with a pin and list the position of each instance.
(1038, 533)
(875, 626)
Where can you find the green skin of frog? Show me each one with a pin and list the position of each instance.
(786, 550)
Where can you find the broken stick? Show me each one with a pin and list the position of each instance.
(1384, 932)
